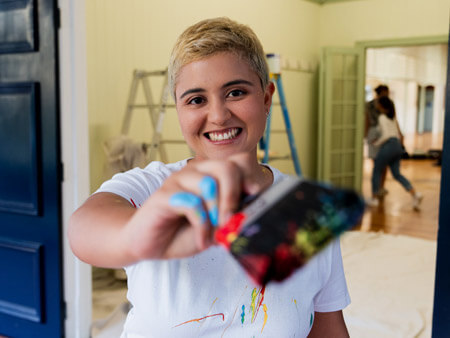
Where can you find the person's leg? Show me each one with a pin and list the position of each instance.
(376, 177)
(383, 190)
(376, 181)
(395, 170)
(379, 165)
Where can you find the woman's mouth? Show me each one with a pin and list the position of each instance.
(223, 135)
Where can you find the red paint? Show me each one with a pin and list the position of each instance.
(261, 298)
(199, 319)
(231, 227)
(134, 204)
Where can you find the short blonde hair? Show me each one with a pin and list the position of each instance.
(211, 36)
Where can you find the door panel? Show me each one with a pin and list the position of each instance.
(18, 29)
(19, 130)
(24, 275)
(30, 207)
(341, 105)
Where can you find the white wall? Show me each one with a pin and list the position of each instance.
(344, 23)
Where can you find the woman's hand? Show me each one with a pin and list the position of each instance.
(178, 220)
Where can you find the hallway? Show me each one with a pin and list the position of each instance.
(396, 215)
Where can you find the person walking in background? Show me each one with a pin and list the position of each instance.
(389, 153)
(371, 131)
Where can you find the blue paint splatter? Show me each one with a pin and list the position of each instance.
(188, 200)
(208, 187)
(243, 314)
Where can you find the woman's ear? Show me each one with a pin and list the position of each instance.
(270, 89)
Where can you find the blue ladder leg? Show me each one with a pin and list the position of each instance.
(287, 122)
(267, 138)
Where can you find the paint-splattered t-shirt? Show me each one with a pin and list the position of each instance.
(209, 294)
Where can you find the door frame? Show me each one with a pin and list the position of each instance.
(75, 157)
(441, 311)
(401, 42)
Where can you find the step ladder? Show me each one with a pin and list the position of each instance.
(265, 141)
(156, 111)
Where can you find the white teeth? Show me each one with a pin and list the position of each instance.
(223, 136)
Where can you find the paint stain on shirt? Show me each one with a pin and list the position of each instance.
(265, 317)
(198, 320)
(252, 304)
(256, 303)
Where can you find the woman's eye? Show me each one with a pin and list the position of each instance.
(236, 92)
(196, 100)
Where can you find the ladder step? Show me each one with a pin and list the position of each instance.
(274, 156)
(281, 157)
(173, 141)
(142, 73)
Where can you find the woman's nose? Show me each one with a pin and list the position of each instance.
(218, 112)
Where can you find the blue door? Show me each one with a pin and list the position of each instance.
(30, 179)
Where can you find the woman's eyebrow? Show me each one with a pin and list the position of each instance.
(190, 91)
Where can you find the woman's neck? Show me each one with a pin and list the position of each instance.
(257, 172)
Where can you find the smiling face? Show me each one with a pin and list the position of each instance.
(221, 106)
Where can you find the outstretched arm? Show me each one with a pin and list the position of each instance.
(97, 231)
(174, 222)
(329, 324)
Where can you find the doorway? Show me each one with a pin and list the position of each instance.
(415, 76)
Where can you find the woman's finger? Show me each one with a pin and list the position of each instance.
(228, 178)
(192, 207)
(208, 187)
(199, 183)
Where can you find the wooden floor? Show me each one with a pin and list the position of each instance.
(395, 214)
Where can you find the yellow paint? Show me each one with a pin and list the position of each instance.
(265, 317)
(252, 305)
(231, 237)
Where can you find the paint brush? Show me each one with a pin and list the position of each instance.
(278, 231)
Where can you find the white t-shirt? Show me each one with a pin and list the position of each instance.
(388, 129)
(209, 294)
